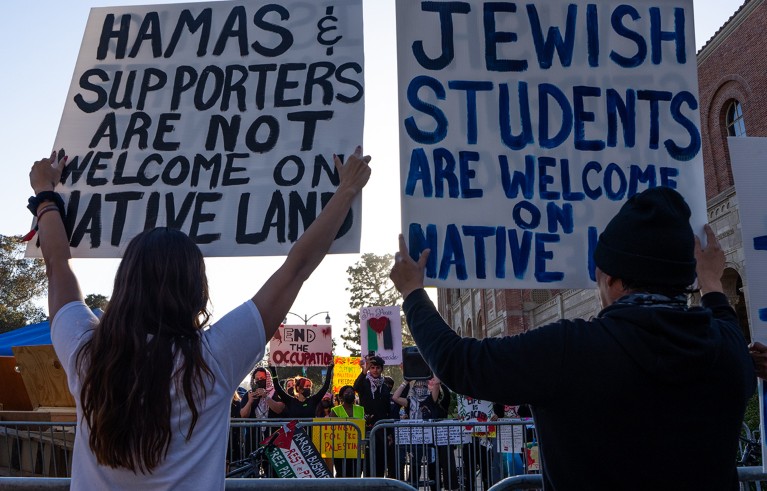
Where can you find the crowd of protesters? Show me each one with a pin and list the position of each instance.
(373, 399)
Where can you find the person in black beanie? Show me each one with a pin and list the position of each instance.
(650, 394)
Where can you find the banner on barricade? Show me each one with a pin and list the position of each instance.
(217, 118)
(524, 128)
(345, 371)
(451, 435)
(292, 454)
(476, 410)
(511, 438)
(302, 346)
(412, 432)
(381, 333)
(339, 441)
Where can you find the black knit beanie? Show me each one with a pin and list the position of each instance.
(649, 241)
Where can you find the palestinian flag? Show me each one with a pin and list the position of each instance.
(292, 454)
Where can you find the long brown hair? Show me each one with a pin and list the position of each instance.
(147, 339)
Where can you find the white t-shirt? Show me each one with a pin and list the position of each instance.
(231, 348)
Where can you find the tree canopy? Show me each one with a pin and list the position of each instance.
(21, 281)
(369, 286)
(96, 301)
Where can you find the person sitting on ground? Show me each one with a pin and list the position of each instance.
(152, 388)
(589, 382)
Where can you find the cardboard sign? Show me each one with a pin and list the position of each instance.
(339, 441)
(217, 118)
(525, 126)
(470, 409)
(345, 371)
(293, 455)
(301, 346)
(381, 333)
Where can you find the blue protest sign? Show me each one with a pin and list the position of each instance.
(524, 127)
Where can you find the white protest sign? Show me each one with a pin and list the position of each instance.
(217, 118)
(525, 126)
(301, 346)
(381, 332)
(470, 409)
(451, 435)
(748, 159)
(410, 432)
(511, 438)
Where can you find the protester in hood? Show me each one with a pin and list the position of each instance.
(589, 382)
(152, 385)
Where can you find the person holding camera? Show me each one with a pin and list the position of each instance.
(261, 401)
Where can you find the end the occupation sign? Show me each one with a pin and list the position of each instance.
(217, 118)
(525, 125)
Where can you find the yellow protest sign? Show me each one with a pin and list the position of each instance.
(338, 441)
(345, 372)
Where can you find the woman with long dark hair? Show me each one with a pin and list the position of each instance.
(153, 388)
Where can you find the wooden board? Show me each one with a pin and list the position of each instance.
(13, 394)
(43, 376)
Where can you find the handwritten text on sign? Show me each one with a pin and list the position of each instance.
(217, 118)
(339, 441)
(345, 371)
(524, 126)
(381, 332)
(301, 346)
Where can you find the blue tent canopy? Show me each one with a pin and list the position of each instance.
(31, 335)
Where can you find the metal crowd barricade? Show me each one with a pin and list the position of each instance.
(452, 455)
(746, 476)
(36, 448)
(63, 484)
(44, 449)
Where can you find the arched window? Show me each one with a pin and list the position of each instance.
(734, 120)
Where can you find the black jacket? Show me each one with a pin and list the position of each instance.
(376, 406)
(638, 398)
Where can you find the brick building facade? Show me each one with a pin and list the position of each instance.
(732, 79)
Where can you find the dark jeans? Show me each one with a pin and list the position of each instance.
(380, 449)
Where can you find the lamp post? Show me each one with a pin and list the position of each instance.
(307, 319)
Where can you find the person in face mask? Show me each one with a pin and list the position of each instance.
(348, 409)
(324, 407)
(304, 404)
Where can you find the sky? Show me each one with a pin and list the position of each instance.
(39, 44)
